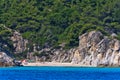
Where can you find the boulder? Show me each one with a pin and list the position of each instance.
(5, 60)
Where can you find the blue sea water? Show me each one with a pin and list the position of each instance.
(59, 73)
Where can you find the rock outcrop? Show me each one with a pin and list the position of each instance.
(5, 60)
(18, 42)
(54, 55)
(62, 55)
(97, 50)
(94, 49)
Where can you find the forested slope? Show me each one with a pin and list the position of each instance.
(53, 22)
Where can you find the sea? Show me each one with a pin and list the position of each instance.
(59, 73)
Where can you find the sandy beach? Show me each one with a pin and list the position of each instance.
(55, 64)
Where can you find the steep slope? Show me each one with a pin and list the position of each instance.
(96, 49)
(49, 29)
(54, 22)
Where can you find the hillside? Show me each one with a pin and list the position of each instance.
(52, 23)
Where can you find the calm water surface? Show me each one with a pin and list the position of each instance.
(59, 73)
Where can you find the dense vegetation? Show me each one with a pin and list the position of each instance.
(5, 42)
(52, 22)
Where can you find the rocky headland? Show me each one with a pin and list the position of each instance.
(94, 49)
(97, 49)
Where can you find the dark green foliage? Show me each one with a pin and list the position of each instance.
(52, 22)
(5, 42)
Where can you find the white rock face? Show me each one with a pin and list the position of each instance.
(95, 50)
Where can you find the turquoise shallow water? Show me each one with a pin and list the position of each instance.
(59, 73)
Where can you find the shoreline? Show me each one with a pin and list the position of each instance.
(56, 64)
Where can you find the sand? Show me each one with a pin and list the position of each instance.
(55, 64)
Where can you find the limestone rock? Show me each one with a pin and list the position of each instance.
(94, 49)
(5, 60)
(77, 57)
(18, 42)
(117, 45)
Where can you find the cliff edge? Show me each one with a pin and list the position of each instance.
(95, 49)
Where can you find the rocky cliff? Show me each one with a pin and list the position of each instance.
(94, 49)
(11, 45)
(19, 43)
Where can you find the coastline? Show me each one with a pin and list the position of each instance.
(55, 64)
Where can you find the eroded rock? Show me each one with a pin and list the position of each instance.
(5, 60)
(96, 50)
(18, 42)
